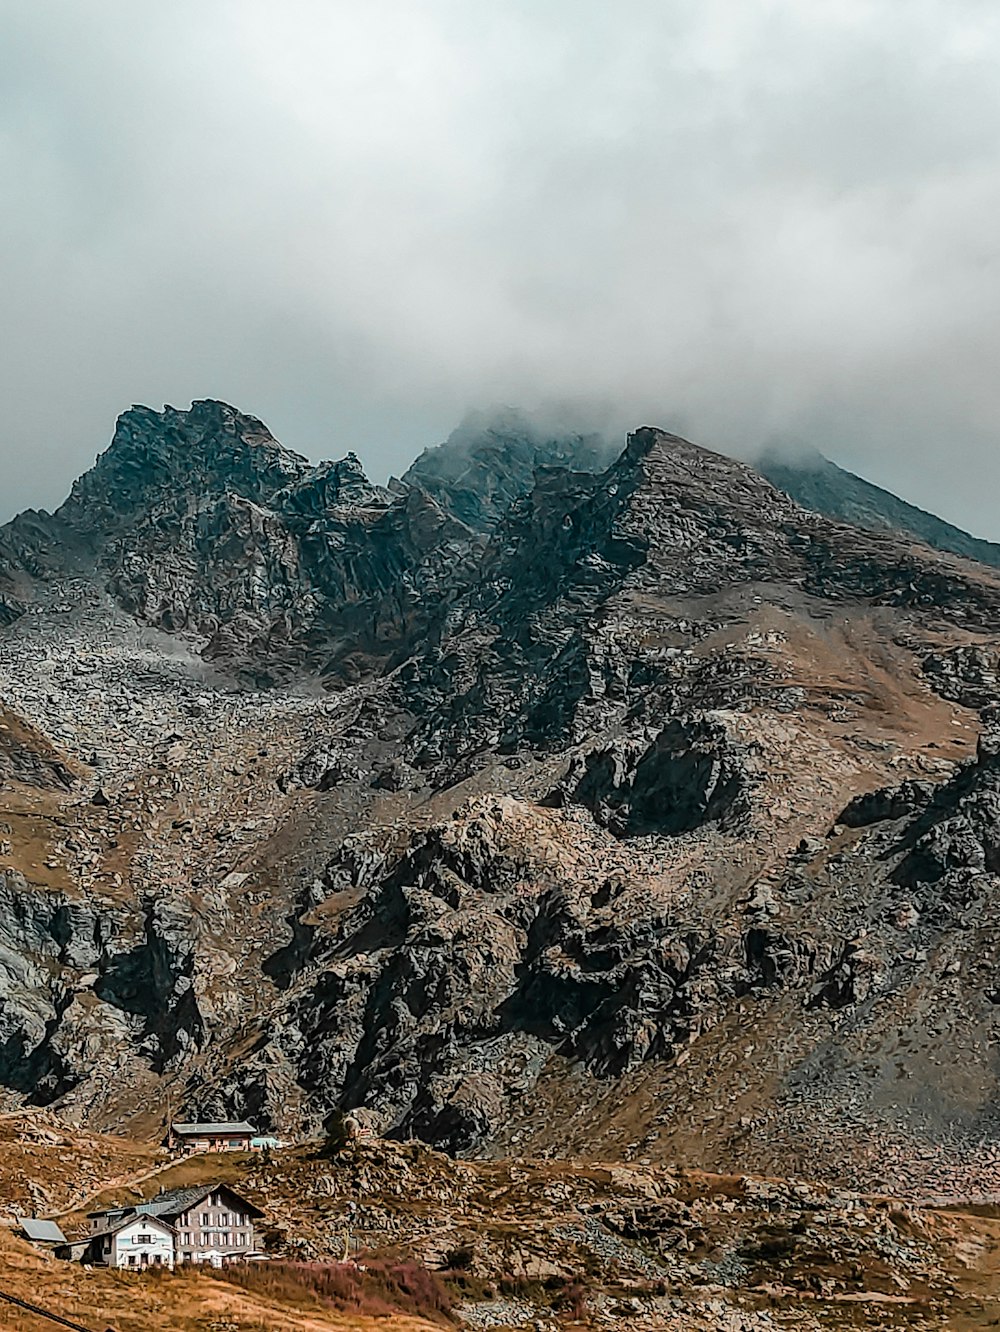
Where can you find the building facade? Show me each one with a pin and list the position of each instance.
(234, 1137)
(212, 1225)
(132, 1242)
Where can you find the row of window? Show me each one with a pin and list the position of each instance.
(223, 1238)
(223, 1219)
(214, 1200)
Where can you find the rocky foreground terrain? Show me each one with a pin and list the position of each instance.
(631, 812)
(524, 1243)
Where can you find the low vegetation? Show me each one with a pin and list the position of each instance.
(374, 1289)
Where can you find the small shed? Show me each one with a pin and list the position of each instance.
(224, 1137)
(44, 1233)
(74, 1250)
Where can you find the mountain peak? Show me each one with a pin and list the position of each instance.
(631, 763)
(209, 447)
(491, 459)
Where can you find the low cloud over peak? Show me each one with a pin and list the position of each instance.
(747, 222)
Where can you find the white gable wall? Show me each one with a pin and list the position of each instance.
(143, 1242)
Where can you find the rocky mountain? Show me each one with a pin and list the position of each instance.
(200, 523)
(491, 460)
(630, 810)
(816, 483)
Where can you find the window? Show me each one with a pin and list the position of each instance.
(224, 1238)
(223, 1218)
(206, 1220)
(143, 1239)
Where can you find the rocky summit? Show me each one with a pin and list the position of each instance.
(554, 800)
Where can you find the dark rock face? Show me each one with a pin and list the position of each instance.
(486, 948)
(28, 758)
(59, 955)
(887, 803)
(688, 776)
(468, 961)
(968, 675)
(572, 615)
(491, 461)
(200, 522)
(44, 940)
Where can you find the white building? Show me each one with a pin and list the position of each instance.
(133, 1242)
(205, 1224)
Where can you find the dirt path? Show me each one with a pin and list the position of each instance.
(80, 1201)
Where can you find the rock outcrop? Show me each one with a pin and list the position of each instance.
(200, 523)
(491, 460)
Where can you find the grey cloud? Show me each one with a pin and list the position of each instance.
(748, 220)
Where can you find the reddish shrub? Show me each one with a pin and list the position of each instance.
(378, 1289)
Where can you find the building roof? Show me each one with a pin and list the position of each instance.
(129, 1220)
(175, 1201)
(44, 1232)
(82, 1243)
(214, 1130)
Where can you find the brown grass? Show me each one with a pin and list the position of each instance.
(187, 1301)
(374, 1289)
(62, 1162)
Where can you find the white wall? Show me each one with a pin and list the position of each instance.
(142, 1241)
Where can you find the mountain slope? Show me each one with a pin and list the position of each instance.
(818, 484)
(198, 522)
(634, 669)
(581, 842)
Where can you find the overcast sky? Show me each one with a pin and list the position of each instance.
(745, 219)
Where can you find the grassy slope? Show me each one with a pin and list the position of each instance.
(181, 1302)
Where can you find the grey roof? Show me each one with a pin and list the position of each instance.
(171, 1203)
(124, 1221)
(215, 1129)
(175, 1201)
(45, 1232)
(81, 1243)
